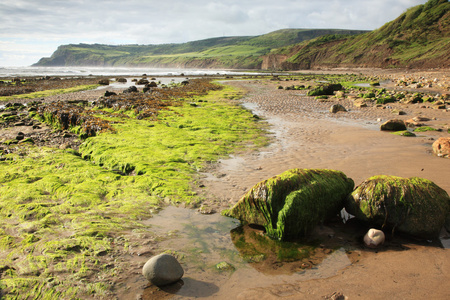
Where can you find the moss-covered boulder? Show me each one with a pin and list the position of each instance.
(325, 89)
(289, 205)
(393, 125)
(415, 206)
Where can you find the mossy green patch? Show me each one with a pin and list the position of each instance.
(291, 204)
(404, 133)
(412, 205)
(61, 212)
(48, 93)
(424, 129)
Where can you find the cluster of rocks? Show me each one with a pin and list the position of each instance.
(422, 82)
(26, 129)
(289, 205)
(381, 98)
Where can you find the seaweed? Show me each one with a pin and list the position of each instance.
(291, 204)
(414, 205)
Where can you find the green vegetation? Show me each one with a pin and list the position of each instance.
(47, 93)
(232, 52)
(291, 204)
(414, 205)
(256, 248)
(404, 133)
(424, 129)
(326, 89)
(67, 216)
(419, 38)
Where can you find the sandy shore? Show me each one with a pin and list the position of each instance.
(306, 135)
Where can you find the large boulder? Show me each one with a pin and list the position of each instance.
(103, 81)
(162, 270)
(325, 89)
(337, 108)
(291, 204)
(414, 206)
(441, 147)
(393, 125)
(142, 81)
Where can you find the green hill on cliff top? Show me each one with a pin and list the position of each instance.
(418, 38)
(222, 52)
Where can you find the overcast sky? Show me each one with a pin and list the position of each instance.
(31, 29)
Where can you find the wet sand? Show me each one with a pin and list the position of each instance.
(306, 135)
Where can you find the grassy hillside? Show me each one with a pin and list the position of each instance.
(419, 38)
(223, 52)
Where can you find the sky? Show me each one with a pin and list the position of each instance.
(31, 29)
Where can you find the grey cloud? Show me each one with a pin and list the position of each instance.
(174, 21)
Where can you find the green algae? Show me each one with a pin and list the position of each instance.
(257, 248)
(414, 205)
(424, 129)
(48, 93)
(291, 204)
(65, 214)
(404, 133)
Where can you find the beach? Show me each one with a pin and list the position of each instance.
(307, 135)
(303, 134)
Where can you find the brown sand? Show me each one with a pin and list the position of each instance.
(306, 135)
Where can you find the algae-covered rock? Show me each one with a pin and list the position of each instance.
(393, 125)
(415, 206)
(292, 203)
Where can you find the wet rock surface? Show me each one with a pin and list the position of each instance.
(414, 206)
(291, 204)
(162, 270)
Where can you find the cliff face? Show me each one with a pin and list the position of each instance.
(224, 52)
(419, 38)
(273, 61)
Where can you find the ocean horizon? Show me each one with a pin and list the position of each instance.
(110, 71)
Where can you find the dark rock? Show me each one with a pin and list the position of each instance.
(131, 89)
(393, 125)
(326, 89)
(162, 270)
(291, 204)
(441, 147)
(142, 81)
(20, 136)
(152, 84)
(414, 206)
(121, 80)
(336, 108)
(103, 82)
(109, 94)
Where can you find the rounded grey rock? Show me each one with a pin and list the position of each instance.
(162, 270)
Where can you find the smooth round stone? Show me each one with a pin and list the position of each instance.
(162, 270)
(374, 238)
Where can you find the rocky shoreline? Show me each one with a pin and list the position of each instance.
(305, 134)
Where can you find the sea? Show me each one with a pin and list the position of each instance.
(111, 71)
